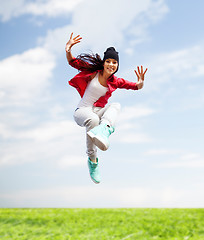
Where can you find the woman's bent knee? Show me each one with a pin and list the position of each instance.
(91, 122)
(84, 117)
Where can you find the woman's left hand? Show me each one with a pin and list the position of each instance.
(140, 75)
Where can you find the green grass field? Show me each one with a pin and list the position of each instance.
(94, 224)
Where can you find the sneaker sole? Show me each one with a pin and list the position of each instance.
(98, 141)
(94, 180)
(91, 135)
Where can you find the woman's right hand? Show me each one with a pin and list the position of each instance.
(72, 41)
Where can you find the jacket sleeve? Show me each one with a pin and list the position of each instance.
(77, 63)
(122, 83)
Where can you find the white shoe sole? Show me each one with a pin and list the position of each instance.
(98, 141)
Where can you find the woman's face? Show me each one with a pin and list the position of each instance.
(110, 66)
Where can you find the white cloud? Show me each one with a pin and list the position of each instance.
(178, 67)
(157, 10)
(128, 126)
(184, 164)
(134, 112)
(176, 158)
(10, 8)
(20, 153)
(51, 131)
(176, 78)
(51, 8)
(61, 153)
(23, 77)
(4, 131)
(100, 32)
(160, 152)
(56, 39)
(77, 196)
(71, 160)
(82, 196)
(134, 137)
(53, 141)
(132, 17)
(190, 160)
(156, 152)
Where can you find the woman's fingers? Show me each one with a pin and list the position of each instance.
(138, 69)
(77, 38)
(142, 70)
(71, 35)
(140, 73)
(75, 42)
(137, 74)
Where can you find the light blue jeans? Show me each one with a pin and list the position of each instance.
(91, 117)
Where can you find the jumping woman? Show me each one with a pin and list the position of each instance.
(95, 83)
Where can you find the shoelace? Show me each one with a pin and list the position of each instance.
(107, 130)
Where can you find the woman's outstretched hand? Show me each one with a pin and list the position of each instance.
(140, 75)
(72, 41)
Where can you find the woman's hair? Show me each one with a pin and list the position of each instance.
(90, 62)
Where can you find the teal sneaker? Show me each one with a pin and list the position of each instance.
(94, 171)
(100, 136)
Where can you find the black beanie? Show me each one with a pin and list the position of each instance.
(111, 53)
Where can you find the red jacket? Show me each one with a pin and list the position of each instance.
(81, 80)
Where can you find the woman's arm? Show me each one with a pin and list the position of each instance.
(72, 41)
(122, 83)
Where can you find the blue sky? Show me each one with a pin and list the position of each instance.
(156, 157)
